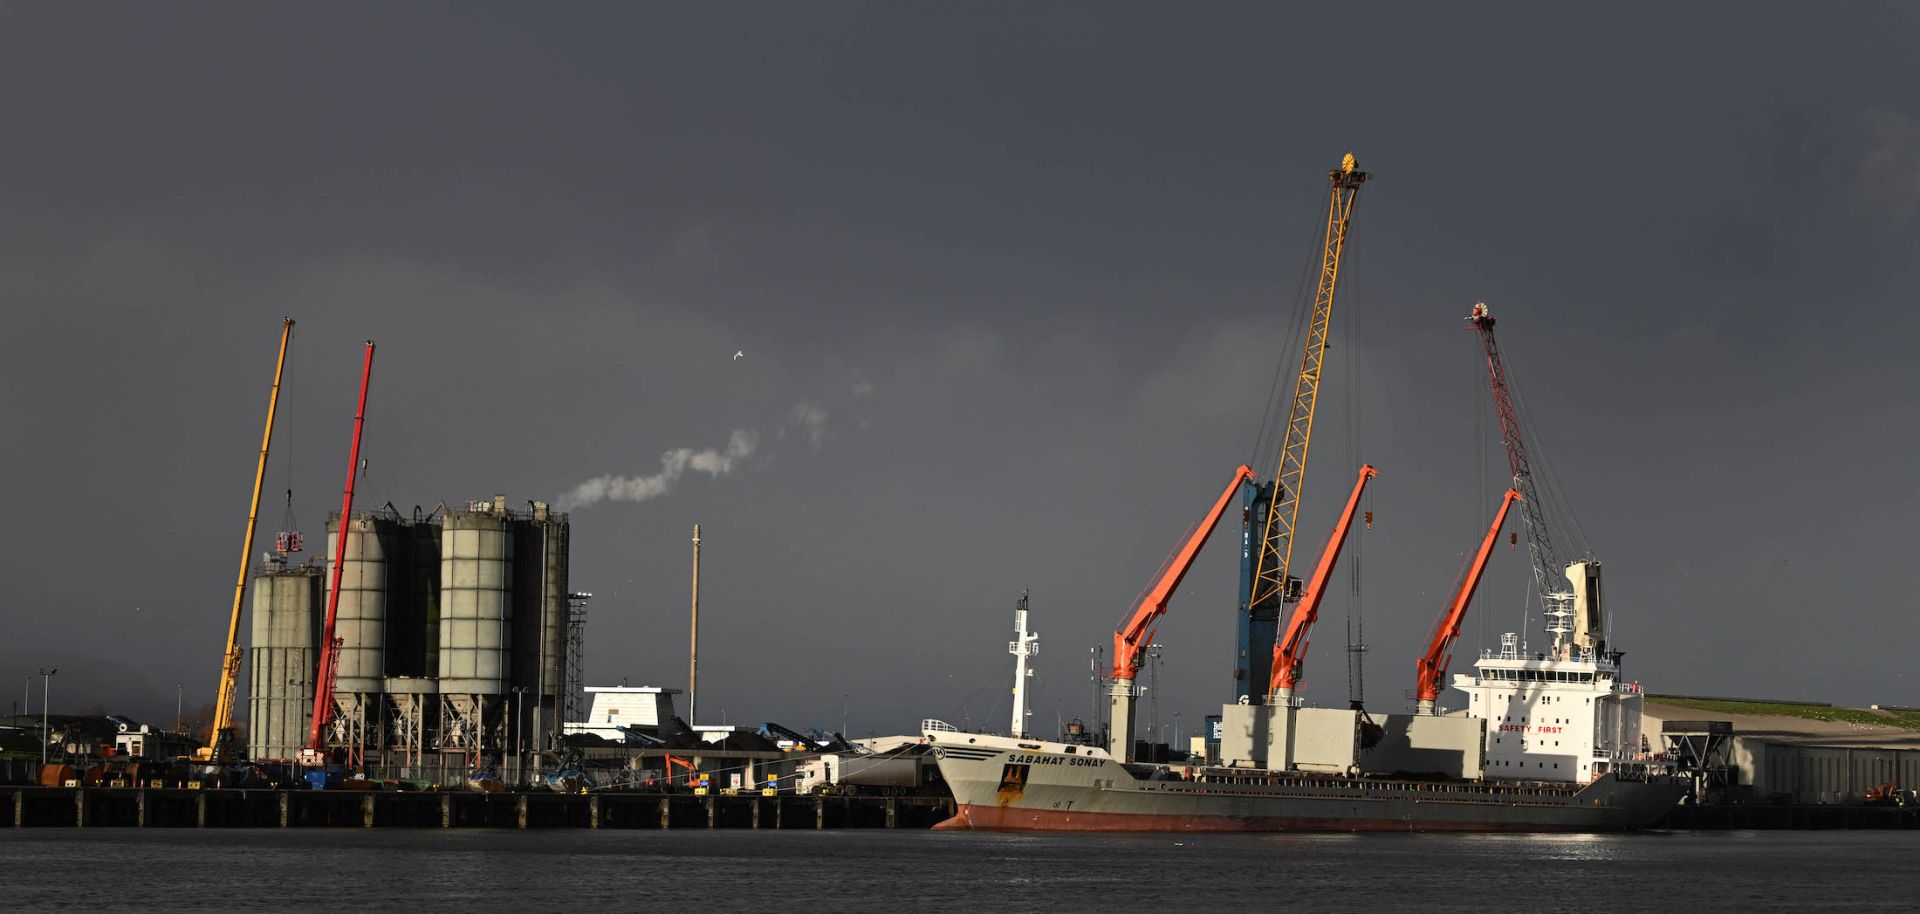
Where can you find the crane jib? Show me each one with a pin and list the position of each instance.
(1271, 582)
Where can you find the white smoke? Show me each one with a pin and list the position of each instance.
(811, 418)
(673, 464)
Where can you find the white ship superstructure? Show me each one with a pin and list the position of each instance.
(1552, 720)
(1564, 714)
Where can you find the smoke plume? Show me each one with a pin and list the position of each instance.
(812, 419)
(673, 464)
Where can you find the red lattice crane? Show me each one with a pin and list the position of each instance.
(1549, 585)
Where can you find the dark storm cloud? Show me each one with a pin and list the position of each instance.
(1011, 283)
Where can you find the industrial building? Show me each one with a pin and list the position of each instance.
(452, 634)
(1769, 759)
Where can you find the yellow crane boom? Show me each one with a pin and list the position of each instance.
(223, 734)
(1271, 582)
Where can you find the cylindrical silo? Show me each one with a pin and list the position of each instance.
(287, 612)
(553, 620)
(413, 576)
(476, 555)
(540, 621)
(360, 622)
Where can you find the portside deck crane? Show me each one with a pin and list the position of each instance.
(1289, 653)
(315, 752)
(1274, 507)
(1430, 671)
(223, 749)
(1130, 640)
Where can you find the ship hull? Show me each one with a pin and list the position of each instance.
(1004, 786)
(1009, 818)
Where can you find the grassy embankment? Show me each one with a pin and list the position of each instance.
(1906, 720)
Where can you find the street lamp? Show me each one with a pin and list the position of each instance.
(513, 743)
(46, 687)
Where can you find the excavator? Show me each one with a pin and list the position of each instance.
(1430, 671)
(1130, 640)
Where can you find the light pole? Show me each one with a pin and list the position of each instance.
(1153, 692)
(515, 742)
(46, 687)
(1176, 736)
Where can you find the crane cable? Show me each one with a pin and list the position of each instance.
(1356, 617)
(1267, 439)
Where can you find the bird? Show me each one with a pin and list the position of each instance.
(739, 354)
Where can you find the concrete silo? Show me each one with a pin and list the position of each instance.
(540, 613)
(412, 683)
(476, 615)
(287, 612)
(371, 573)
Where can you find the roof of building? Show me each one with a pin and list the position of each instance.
(1791, 722)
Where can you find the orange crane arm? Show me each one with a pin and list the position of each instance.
(1432, 666)
(1291, 649)
(1131, 639)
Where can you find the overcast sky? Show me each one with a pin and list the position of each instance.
(1011, 283)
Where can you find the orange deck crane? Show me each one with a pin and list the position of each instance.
(1267, 551)
(330, 646)
(1289, 653)
(1431, 668)
(1130, 640)
(223, 748)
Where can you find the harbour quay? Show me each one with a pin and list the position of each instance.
(138, 807)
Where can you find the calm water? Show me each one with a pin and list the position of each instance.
(101, 870)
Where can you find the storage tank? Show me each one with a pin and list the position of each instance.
(367, 577)
(476, 578)
(413, 601)
(287, 612)
(540, 612)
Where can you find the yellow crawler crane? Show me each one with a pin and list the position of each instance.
(222, 749)
(1270, 584)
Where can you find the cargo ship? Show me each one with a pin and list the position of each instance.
(1548, 740)
(1546, 744)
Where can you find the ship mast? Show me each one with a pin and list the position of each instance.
(1025, 644)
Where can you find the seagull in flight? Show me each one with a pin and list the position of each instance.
(739, 354)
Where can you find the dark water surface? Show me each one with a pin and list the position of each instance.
(99, 870)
